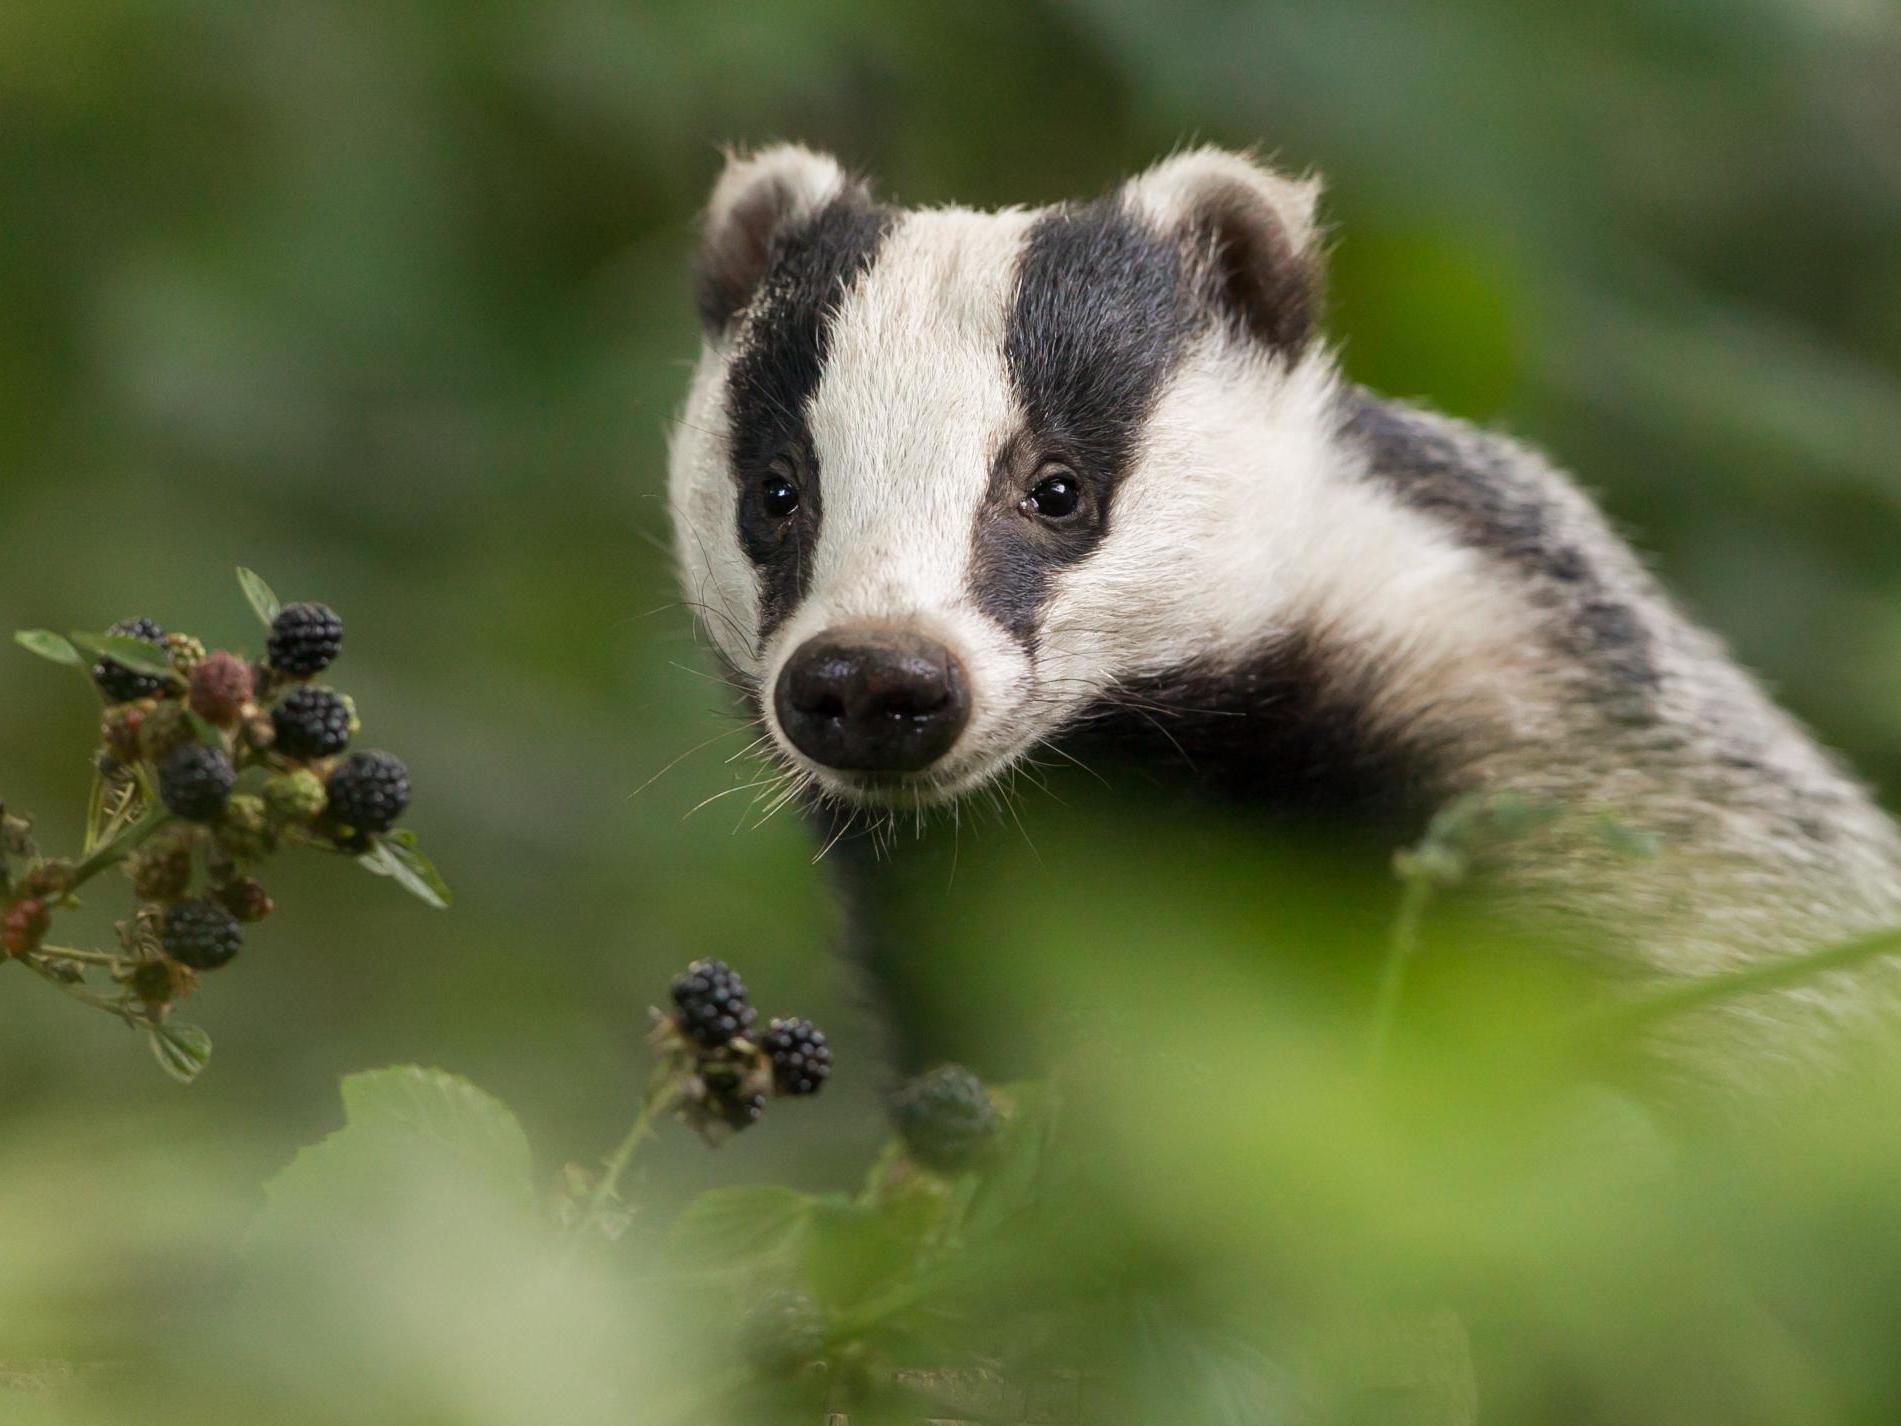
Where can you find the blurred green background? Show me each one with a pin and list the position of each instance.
(391, 303)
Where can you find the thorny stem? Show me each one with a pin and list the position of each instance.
(658, 1100)
(1635, 1016)
(86, 997)
(1402, 946)
(121, 846)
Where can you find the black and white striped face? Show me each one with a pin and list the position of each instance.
(947, 479)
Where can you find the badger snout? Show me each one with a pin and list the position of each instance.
(872, 700)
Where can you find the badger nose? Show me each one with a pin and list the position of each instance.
(872, 700)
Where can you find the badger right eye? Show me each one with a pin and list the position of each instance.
(779, 496)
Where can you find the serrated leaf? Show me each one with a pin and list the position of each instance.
(727, 1227)
(263, 601)
(402, 1116)
(135, 654)
(49, 645)
(397, 857)
(182, 1051)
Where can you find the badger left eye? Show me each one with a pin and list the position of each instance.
(779, 496)
(1055, 496)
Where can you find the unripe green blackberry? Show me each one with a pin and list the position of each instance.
(801, 1060)
(246, 899)
(24, 926)
(161, 869)
(782, 1333)
(200, 934)
(295, 796)
(311, 723)
(219, 687)
(185, 653)
(305, 639)
(167, 726)
(117, 682)
(710, 1003)
(195, 780)
(945, 1118)
(368, 792)
(245, 827)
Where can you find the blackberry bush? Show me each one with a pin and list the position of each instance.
(200, 779)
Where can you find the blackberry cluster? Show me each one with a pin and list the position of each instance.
(711, 1002)
(195, 780)
(945, 1118)
(720, 1074)
(311, 723)
(121, 684)
(200, 934)
(368, 792)
(801, 1059)
(305, 639)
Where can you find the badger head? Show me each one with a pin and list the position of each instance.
(947, 480)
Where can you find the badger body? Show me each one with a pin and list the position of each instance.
(953, 487)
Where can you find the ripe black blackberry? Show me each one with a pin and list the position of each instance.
(305, 639)
(369, 791)
(200, 934)
(195, 780)
(801, 1060)
(121, 684)
(311, 723)
(945, 1118)
(711, 1003)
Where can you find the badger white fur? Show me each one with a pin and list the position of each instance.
(952, 486)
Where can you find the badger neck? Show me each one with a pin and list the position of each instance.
(1430, 610)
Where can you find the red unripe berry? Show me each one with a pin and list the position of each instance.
(22, 928)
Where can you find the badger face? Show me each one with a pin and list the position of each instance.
(948, 480)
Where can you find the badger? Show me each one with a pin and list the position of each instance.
(954, 487)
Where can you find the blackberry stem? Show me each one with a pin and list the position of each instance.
(120, 847)
(1401, 947)
(658, 1100)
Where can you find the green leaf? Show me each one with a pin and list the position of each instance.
(49, 645)
(262, 600)
(182, 1051)
(135, 654)
(405, 1116)
(728, 1227)
(396, 856)
(853, 1252)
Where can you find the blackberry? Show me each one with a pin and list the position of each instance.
(311, 723)
(167, 726)
(368, 792)
(711, 1001)
(305, 639)
(219, 687)
(194, 781)
(117, 682)
(801, 1060)
(24, 926)
(945, 1118)
(161, 869)
(200, 934)
(246, 899)
(295, 796)
(781, 1333)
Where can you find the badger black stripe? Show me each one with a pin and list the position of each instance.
(813, 264)
(1102, 309)
(1469, 480)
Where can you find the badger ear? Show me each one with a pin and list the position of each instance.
(757, 197)
(1250, 235)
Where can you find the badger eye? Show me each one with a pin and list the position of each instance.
(1053, 497)
(779, 496)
